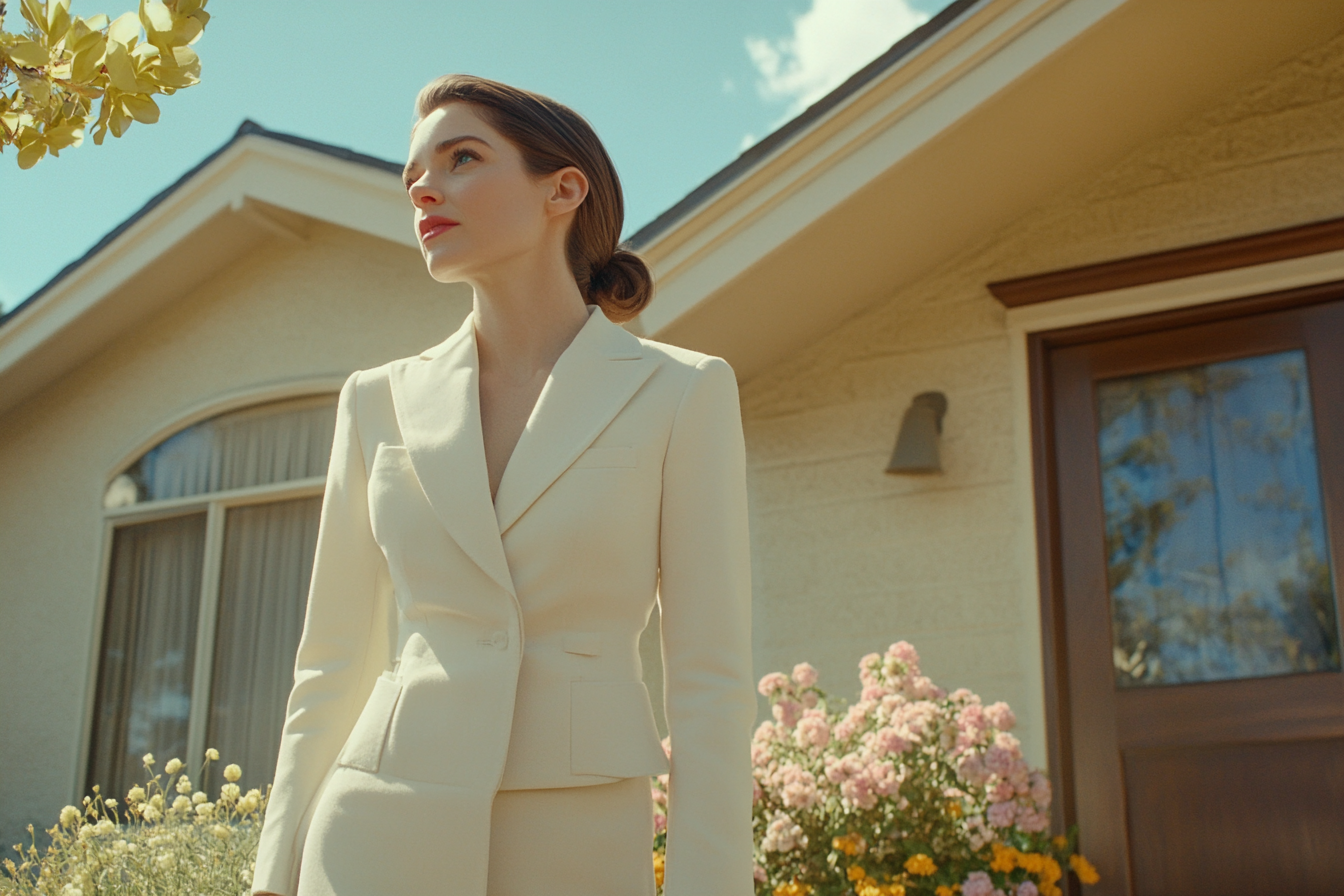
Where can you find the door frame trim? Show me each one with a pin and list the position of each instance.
(1034, 330)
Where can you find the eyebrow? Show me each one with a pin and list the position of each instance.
(442, 147)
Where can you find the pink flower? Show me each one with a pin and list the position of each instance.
(804, 675)
(809, 699)
(773, 683)
(1001, 815)
(659, 822)
(786, 712)
(758, 874)
(889, 740)
(765, 732)
(1000, 716)
(873, 692)
(667, 747)
(782, 835)
(905, 652)
(756, 792)
(1027, 888)
(1032, 820)
(977, 883)
(1040, 790)
(1002, 791)
(812, 731)
(659, 797)
(971, 769)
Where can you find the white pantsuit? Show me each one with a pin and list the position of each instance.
(455, 651)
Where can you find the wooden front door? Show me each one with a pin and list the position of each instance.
(1198, 501)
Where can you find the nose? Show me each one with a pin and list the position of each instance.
(424, 196)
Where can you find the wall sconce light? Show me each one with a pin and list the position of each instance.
(917, 444)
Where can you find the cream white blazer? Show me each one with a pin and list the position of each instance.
(453, 647)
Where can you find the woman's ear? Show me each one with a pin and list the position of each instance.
(569, 187)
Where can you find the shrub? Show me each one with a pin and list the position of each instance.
(165, 838)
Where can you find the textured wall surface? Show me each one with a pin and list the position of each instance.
(338, 302)
(848, 559)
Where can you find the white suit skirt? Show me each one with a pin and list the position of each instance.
(374, 835)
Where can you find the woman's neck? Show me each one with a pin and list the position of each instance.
(525, 317)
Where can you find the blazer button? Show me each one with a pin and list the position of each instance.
(500, 640)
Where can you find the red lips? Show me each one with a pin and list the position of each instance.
(433, 225)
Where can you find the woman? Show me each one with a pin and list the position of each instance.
(502, 511)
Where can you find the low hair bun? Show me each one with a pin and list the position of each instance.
(621, 287)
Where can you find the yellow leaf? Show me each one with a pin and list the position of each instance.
(31, 148)
(125, 29)
(35, 88)
(120, 69)
(118, 122)
(142, 108)
(28, 53)
(59, 138)
(58, 18)
(97, 23)
(155, 16)
(88, 60)
(32, 11)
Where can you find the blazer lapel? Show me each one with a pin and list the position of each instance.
(595, 376)
(437, 401)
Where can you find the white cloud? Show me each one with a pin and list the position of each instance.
(831, 41)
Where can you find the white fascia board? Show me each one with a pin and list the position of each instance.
(989, 49)
(304, 181)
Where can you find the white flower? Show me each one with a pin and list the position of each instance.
(205, 810)
(221, 831)
(232, 772)
(147, 759)
(229, 793)
(198, 797)
(212, 755)
(135, 795)
(183, 784)
(182, 803)
(69, 817)
(174, 766)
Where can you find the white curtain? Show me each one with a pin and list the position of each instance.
(268, 560)
(149, 647)
(276, 442)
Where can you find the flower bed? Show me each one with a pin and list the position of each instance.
(906, 792)
(165, 839)
(910, 791)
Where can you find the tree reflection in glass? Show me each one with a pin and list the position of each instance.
(1215, 537)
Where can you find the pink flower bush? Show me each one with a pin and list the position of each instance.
(909, 790)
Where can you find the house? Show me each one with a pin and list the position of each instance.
(1109, 232)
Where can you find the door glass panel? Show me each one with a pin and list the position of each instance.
(1215, 536)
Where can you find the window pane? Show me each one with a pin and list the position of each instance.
(276, 442)
(268, 560)
(1216, 547)
(149, 646)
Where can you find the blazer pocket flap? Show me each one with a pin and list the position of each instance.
(606, 457)
(612, 731)
(584, 643)
(364, 747)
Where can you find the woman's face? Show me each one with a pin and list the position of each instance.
(477, 207)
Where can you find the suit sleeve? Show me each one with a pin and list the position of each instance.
(705, 602)
(341, 653)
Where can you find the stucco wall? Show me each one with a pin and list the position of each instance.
(848, 559)
(337, 302)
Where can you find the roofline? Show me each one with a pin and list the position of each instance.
(785, 132)
(247, 128)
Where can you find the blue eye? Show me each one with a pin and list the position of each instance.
(462, 154)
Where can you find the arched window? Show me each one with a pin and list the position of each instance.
(212, 538)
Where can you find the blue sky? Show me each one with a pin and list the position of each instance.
(675, 90)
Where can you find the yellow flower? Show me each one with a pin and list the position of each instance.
(1060, 843)
(198, 797)
(174, 766)
(1084, 869)
(221, 831)
(1005, 858)
(954, 808)
(793, 888)
(920, 864)
(856, 873)
(658, 864)
(69, 817)
(184, 785)
(232, 772)
(945, 890)
(849, 844)
(136, 794)
(212, 755)
(147, 759)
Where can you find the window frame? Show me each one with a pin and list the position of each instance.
(216, 506)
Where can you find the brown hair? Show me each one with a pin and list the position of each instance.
(552, 136)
